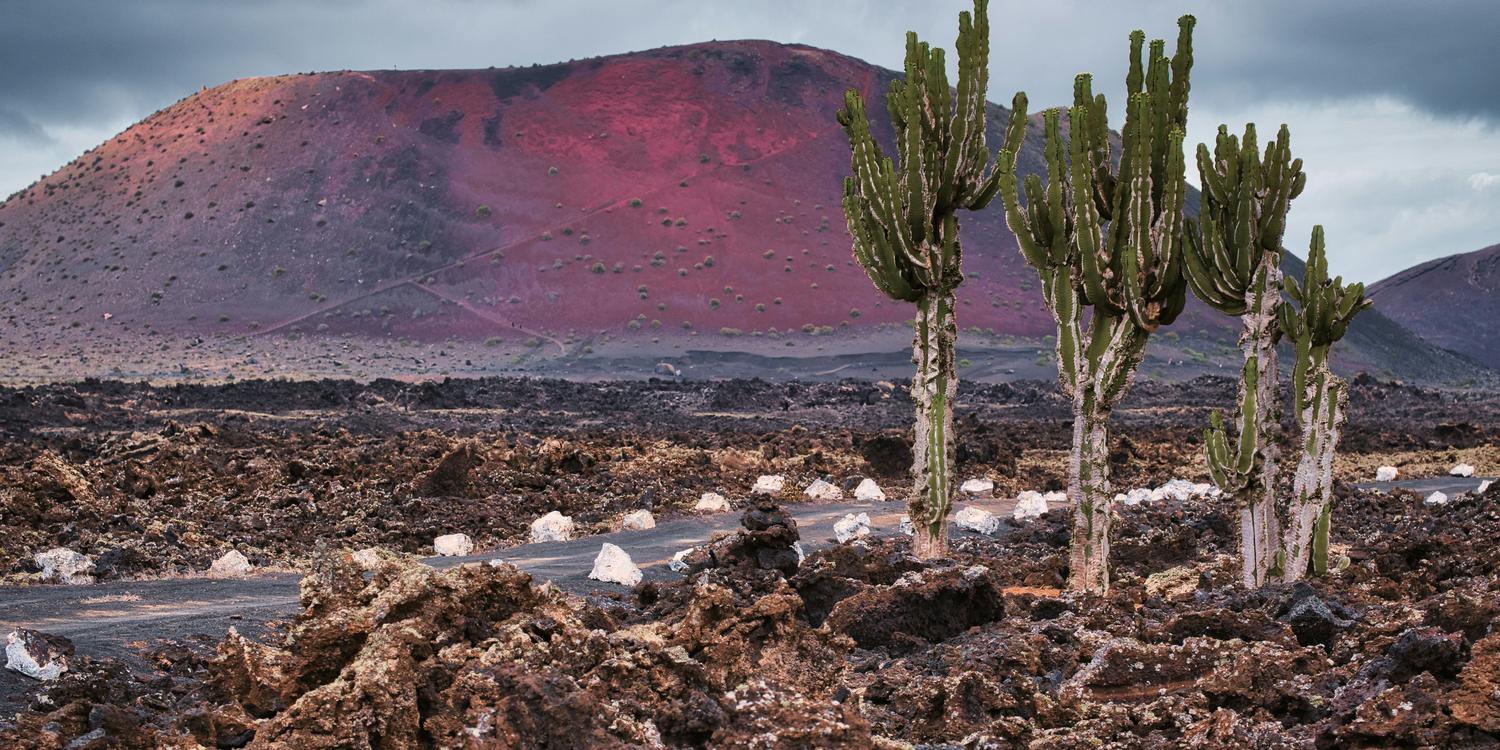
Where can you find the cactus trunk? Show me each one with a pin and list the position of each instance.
(1088, 491)
(933, 389)
(1260, 529)
(1309, 516)
(1108, 236)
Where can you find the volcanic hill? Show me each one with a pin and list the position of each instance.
(1453, 302)
(592, 217)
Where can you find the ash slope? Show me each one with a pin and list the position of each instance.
(1452, 302)
(680, 198)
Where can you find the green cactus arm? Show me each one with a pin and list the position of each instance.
(1283, 181)
(1062, 297)
(1087, 226)
(1200, 280)
(1211, 182)
(1136, 233)
(1093, 128)
(1182, 70)
(873, 250)
(1216, 451)
(1015, 136)
(1250, 378)
(1015, 214)
(966, 155)
(1172, 223)
(878, 204)
(1136, 78)
(1198, 269)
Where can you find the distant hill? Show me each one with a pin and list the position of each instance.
(1453, 302)
(622, 208)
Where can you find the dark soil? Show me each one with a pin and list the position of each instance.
(860, 646)
(162, 480)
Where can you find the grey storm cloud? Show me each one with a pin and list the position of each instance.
(1391, 100)
(21, 128)
(70, 60)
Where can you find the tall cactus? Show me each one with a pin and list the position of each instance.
(1109, 237)
(904, 221)
(1324, 308)
(1236, 269)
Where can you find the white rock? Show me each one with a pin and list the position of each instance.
(637, 521)
(63, 565)
(553, 527)
(976, 519)
(367, 558)
(1134, 497)
(712, 502)
(1181, 489)
(821, 490)
(231, 564)
(28, 652)
(907, 527)
(1029, 504)
(1484, 486)
(1387, 474)
(852, 527)
(613, 565)
(679, 560)
(453, 545)
(1055, 497)
(1436, 498)
(868, 491)
(977, 487)
(768, 484)
(1462, 470)
(797, 547)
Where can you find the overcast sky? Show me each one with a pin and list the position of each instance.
(1394, 104)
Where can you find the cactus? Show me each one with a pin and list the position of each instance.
(1324, 308)
(904, 221)
(1110, 238)
(1236, 269)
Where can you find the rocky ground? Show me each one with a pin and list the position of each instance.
(152, 481)
(860, 646)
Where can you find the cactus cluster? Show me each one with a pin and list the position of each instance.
(1106, 232)
(1109, 236)
(1234, 266)
(904, 221)
(1321, 315)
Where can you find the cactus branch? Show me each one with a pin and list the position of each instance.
(1110, 237)
(903, 219)
(1234, 266)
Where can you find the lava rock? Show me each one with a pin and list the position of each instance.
(1426, 649)
(1314, 622)
(231, 564)
(64, 565)
(553, 527)
(712, 502)
(869, 491)
(851, 526)
(637, 521)
(613, 565)
(453, 545)
(976, 519)
(36, 654)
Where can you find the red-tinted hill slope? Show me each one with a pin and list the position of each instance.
(1453, 302)
(679, 197)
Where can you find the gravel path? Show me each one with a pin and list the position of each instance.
(121, 618)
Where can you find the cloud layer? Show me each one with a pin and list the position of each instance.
(1393, 104)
